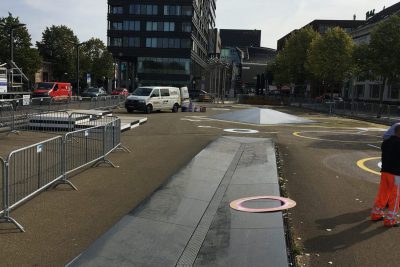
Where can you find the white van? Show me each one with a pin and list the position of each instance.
(152, 98)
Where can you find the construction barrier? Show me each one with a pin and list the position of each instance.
(28, 171)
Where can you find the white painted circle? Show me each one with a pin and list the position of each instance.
(242, 131)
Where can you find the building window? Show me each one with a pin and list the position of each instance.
(117, 10)
(167, 43)
(160, 26)
(394, 91)
(169, 26)
(185, 43)
(116, 26)
(187, 10)
(143, 9)
(116, 42)
(323, 28)
(374, 90)
(187, 27)
(151, 42)
(360, 90)
(131, 25)
(172, 10)
(131, 42)
(164, 65)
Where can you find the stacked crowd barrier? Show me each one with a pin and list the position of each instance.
(28, 171)
(55, 104)
(389, 113)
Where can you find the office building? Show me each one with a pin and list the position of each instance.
(321, 26)
(160, 42)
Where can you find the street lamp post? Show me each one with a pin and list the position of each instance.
(12, 28)
(77, 45)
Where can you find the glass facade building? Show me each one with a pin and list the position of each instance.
(160, 42)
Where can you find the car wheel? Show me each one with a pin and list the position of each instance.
(149, 109)
(129, 110)
(175, 108)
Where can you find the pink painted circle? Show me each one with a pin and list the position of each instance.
(239, 204)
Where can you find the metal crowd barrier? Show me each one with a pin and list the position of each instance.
(7, 117)
(28, 171)
(14, 115)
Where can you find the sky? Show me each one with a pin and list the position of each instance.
(276, 18)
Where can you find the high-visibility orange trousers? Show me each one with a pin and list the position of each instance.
(388, 194)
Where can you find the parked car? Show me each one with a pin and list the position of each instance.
(56, 90)
(94, 92)
(152, 98)
(327, 98)
(120, 91)
(200, 95)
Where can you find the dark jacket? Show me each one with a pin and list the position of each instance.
(391, 155)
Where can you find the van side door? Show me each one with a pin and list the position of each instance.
(56, 91)
(165, 98)
(155, 99)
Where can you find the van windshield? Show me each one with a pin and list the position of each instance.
(44, 86)
(143, 91)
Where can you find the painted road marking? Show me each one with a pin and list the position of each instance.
(242, 131)
(184, 119)
(299, 134)
(361, 164)
(374, 146)
(209, 127)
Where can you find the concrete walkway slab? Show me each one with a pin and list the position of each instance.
(188, 222)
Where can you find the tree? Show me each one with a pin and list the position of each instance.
(25, 56)
(280, 70)
(330, 57)
(385, 47)
(294, 55)
(57, 47)
(97, 61)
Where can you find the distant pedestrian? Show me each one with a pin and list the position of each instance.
(389, 188)
(390, 131)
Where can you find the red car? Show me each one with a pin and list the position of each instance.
(120, 91)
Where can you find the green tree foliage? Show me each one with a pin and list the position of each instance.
(280, 70)
(25, 56)
(330, 57)
(57, 47)
(362, 61)
(293, 58)
(385, 47)
(97, 61)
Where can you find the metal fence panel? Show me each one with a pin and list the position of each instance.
(32, 169)
(112, 136)
(2, 185)
(7, 122)
(83, 147)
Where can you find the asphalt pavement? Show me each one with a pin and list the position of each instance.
(332, 192)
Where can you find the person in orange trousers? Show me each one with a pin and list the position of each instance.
(389, 188)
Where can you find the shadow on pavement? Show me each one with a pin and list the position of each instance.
(332, 241)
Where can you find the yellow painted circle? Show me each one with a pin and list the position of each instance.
(299, 134)
(361, 164)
